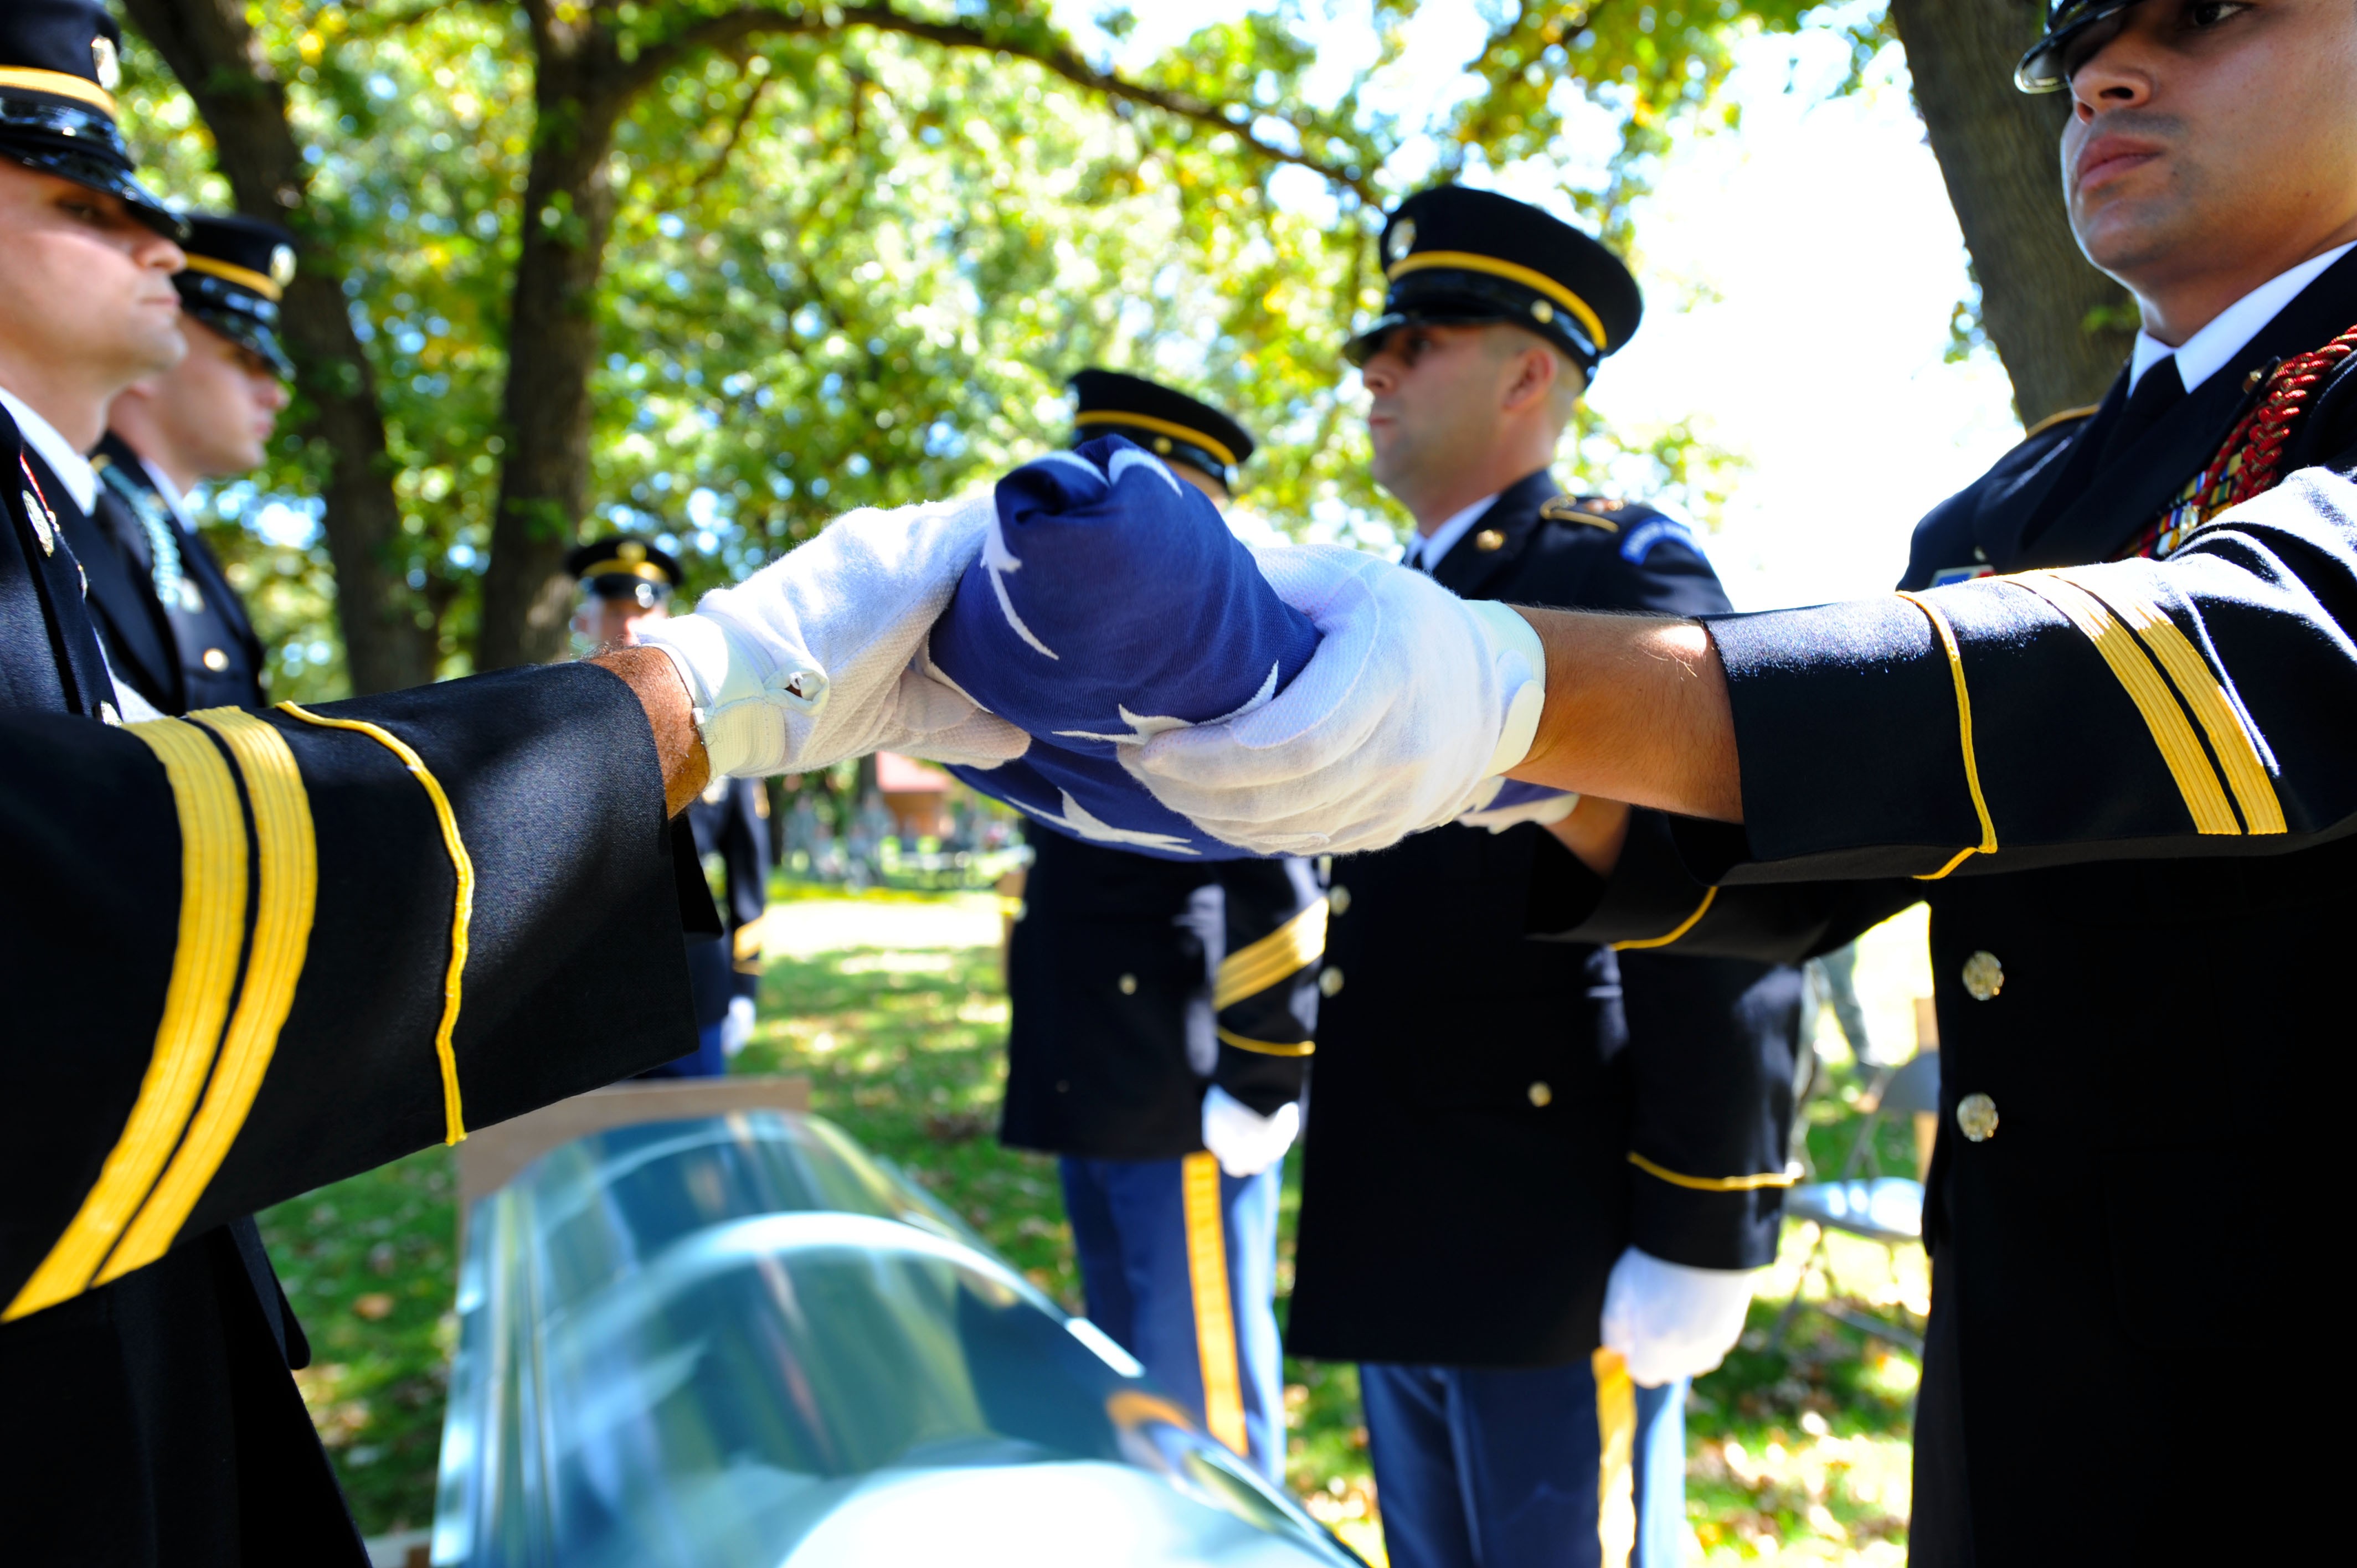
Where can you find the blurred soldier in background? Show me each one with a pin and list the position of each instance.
(625, 583)
(208, 417)
(75, 330)
(1160, 1041)
(1503, 1126)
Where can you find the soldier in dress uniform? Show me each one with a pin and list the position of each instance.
(208, 417)
(2102, 731)
(236, 950)
(1502, 1126)
(71, 334)
(1162, 1029)
(628, 583)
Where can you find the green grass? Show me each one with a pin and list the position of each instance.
(1796, 1453)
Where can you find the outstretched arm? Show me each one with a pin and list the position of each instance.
(1636, 709)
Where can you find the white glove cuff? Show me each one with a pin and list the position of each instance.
(1520, 659)
(741, 712)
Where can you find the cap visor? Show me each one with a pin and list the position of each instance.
(247, 333)
(93, 171)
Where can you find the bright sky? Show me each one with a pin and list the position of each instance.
(1799, 276)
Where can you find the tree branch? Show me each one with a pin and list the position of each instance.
(735, 26)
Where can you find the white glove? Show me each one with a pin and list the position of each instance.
(1246, 1142)
(820, 656)
(1670, 1321)
(1413, 701)
(737, 1029)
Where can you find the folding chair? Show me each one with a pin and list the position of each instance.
(1862, 1201)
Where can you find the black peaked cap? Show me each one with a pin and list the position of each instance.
(2041, 69)
(1166, 423)
(618, 563)
(238, 268)
(59, 62)
(1457, 256)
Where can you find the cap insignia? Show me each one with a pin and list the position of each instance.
(631, 549)
(1402, 240)
(282, 265)
(103, 62)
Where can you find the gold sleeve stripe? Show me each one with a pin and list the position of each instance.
(1267, 1047)
(745, 942)
(244, 277)
(57, 84)
(1680, 929)
(2197, 782)
(1947, 634)
(288, 881)
(1785, 1178)
(1468, 261)
(196, 1001)
(1215, 1323)
(1292, 946)
(1176, 432)
(462, 912)
(2203, 689)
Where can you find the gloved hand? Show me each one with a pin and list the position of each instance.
(737, 1029)
(1246, 1142)
(1413, 701)
(1670, 1321)
(820, 656)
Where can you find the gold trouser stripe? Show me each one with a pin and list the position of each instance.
(462, 910)
(1292, 947)
(1947, 634)
(287, 862)
(1616, 1474)
(2201, 687)
(1268, 1048)
(57, 84)
(1218, 449)
(1215, 1322)
(244, 277)
(1680, 929)
(196, 1001)
(1467, 261)
(2197, 782)
(1714, 1184)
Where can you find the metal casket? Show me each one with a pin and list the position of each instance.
(740, 1341)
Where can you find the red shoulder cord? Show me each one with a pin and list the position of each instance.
(2259, 439)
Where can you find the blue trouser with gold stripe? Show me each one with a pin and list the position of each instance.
(1178, 1261)
(1570, 1466)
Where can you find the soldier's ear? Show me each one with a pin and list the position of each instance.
(1536, 371)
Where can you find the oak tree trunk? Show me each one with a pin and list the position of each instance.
(580, 93)
(214, 51)
(2061, 328)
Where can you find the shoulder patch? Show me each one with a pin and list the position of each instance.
(1638, 541)
(1588, 509)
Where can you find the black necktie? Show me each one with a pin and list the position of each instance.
(2162, 389)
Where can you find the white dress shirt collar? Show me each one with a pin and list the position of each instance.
(1429, 549)
(2205, 353)
(72, 469)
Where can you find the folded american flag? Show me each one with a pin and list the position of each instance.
(1110, 604)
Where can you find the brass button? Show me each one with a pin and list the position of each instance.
(216, 661)
(1540, 1094)
(1541, 311)
(1489, 539)
(1162, 446)
(1984, 976)
(1976, 1117)
(1329, 982)
(1337, 898)
(1128, 983)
